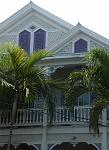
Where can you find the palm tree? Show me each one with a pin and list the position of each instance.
(93, 78)
(21, 79)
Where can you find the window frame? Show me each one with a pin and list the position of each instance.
(82, 42)
(81, 36)
(29, 39)
(32, 37)
(83, 102)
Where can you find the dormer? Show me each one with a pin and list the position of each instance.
(80, 46)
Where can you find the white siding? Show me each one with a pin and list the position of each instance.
(66, 50)
(94, 44)
(32, 21)
(8, 38)
(54, 37)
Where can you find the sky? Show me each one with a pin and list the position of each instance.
(93, 14)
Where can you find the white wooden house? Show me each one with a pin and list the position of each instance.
(33, 28)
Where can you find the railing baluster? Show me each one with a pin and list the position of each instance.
(0, 117)
(57, 115)
(63, 115)
(35, 116)
(3, 117)
(67, 117)
(27, 117)
(40, 116)
(20, 117)
(81, 114)
(24, 118)
(85, 114)
(88, 117)
(78, 110)
(30, 114)
(60, 115)
(71, 118)
(7, 117)
(17, 117)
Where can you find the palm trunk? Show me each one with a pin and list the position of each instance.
(14, 110)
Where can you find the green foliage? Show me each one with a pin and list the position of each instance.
(74, 88)
(22, 80)
(93, 78)
(18, 72)
(21, 75)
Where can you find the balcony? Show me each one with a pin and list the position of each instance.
(35, 117)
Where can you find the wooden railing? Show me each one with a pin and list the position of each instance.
(64, 115)
(23, 117)
(26, 117)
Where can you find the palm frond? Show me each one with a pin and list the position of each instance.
(37, 56)
(95, 113)
(95, 79)
(5, 83)
(75, 86)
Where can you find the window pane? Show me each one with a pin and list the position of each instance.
(84, 99)
(80, 46)
(39, 39)
(24, 40)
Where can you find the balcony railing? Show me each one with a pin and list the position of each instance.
(26, 117)
(64, 115)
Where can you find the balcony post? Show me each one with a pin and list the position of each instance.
(44, 130)
(104, 130)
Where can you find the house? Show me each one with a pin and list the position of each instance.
(33, 28)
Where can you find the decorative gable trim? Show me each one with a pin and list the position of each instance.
(78, 29)
(31, 7)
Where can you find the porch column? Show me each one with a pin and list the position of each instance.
(44, 131)
(104, 131)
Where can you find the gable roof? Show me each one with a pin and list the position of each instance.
(76, 30)
(32, 7)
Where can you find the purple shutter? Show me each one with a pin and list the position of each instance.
(80, 46)
(24, 40)
(39, 39)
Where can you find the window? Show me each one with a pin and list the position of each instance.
(80, 46)
(39, 39)
(31, 41)
(86, 99)
(24, 40)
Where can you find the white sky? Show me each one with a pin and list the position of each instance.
(93, 14)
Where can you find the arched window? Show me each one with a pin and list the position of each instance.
(39, 39)
(80, 46)
(24, 40)
(84, 99)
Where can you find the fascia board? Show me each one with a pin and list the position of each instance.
(74, 59)
(94, 35)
